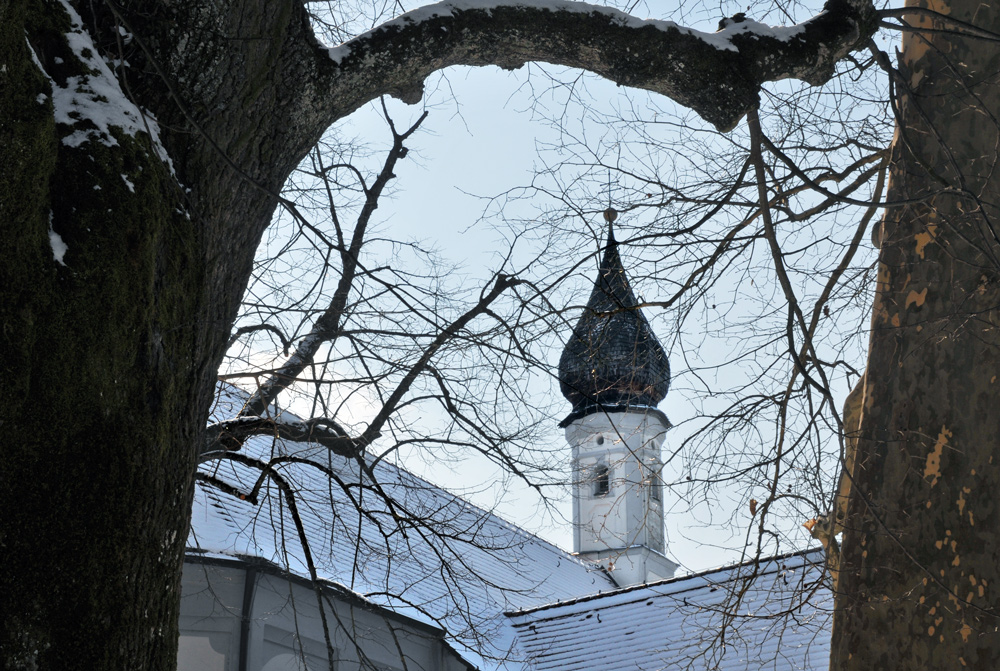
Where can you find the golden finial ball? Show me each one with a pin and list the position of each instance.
(610, 215)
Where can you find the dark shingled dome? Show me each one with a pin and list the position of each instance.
(613, 360)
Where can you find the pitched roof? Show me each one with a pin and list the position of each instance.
(780, 623)
(612, 360)
(430, 555)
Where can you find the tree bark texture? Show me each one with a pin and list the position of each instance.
(121, 274)
(920, 574)
(109, 354)
(102, 374)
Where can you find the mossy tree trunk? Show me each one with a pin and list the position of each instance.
(921, 570)
(108, 354)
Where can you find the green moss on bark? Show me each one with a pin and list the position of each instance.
(29, 156)
(97, 356)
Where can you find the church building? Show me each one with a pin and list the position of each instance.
(375, 568)
(614, 372)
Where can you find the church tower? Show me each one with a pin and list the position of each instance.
(614, 371)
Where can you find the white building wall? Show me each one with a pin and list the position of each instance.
(209, 622)
(621, 527)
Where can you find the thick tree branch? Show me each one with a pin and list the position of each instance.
(230, 434)
(718, 75)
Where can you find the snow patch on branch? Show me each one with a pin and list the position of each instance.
(34, 57)
(59, 247)
(720, 40)
(93, 104)
(305, 351)
(754, 28)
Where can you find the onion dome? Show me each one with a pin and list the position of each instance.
(612, 362)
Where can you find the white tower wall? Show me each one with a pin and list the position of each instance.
(617, 493)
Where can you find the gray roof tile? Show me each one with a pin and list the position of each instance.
(438, 559)
(782, 623)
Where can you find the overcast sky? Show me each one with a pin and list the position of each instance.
(484, 145)
(481, 139)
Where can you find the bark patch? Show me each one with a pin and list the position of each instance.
(932, 469)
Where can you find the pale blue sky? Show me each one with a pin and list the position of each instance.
(484, 144)
(482, 139)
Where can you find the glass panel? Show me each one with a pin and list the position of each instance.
(202, 651)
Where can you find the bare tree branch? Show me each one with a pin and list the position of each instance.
(327, 327)
(718, 75)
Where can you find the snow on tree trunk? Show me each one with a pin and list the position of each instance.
(120, 276)
(99, 282)
(920, 574)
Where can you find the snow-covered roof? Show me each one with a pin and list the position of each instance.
(772, 616)
(432, 557)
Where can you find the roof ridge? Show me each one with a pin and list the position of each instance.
(668, 581)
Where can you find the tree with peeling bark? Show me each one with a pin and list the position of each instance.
(133, 198)
(918, 586)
